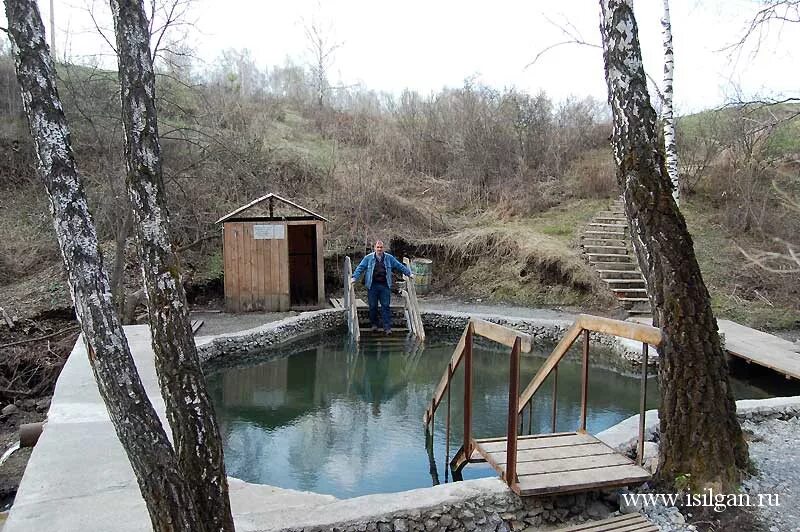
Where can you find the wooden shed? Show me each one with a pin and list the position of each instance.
(273, 256)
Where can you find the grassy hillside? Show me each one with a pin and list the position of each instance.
(494, 186)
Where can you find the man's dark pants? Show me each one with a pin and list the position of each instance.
(380, 292)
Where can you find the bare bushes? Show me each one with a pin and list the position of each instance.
(749, 160)
(29, 367)
(591, 175)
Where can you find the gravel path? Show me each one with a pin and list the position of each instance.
(454, 305)
(775, 453)
(221, 323)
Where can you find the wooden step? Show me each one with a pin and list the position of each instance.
(612, 226)
(622, 280)
(640, 311)
(626, 284)
(634, 299)
(608, 257)
(603, 266)
(592, 242)
(629, 290)
(633, 275)
(606, 248)
(605, 233)
(365, 330)
(611, 219)
(604, 237)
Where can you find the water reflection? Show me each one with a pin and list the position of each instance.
(348, 421)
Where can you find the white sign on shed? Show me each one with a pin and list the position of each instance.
(269, 232)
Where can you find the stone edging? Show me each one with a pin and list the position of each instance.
(545, 330)
(624, 435)
(307, 323)
(269, 334)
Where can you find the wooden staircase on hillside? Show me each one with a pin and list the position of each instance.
(606, 246)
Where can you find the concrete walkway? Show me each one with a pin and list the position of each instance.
(79, 478)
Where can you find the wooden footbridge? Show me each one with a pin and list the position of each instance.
(756, 347)
(354, 306)
(541, 464)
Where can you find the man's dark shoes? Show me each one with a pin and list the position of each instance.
(374, 329)
(388, 332)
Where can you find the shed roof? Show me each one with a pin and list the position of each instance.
(270, 196)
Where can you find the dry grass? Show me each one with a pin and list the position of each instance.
(515, 261)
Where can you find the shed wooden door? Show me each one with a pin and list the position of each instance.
(302, 264)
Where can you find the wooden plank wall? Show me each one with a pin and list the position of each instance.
(256, 271)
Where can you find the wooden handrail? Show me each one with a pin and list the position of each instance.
(444, 382)
(502, 334)
(623, 329)
(487, 329)
(350, 302)
(412, 305)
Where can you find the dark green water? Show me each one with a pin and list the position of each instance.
(332, 420)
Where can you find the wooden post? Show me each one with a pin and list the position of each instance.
(643, 403)
(468, 392)
(584, 380)
(555, 396)
(447, 423)
(513, 405)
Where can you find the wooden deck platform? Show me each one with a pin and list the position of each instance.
(561, 463)
(756, 347)
(761, 348)
(623, 523)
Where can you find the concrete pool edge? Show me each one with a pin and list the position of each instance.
(78, 477)
(624, 435)
(277, 333)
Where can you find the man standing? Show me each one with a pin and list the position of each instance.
(378, 267)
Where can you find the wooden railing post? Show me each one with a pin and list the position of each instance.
(585, 380)
(447, 423)
(555, 396)
(643, 403)
(513, 413)
(468, 392)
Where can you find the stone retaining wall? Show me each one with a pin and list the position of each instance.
(485, 505)
(271, 334)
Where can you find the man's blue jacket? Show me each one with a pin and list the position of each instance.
(368, 264)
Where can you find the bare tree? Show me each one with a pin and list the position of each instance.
(162, 484)
(700, 435)
(189, 410)
(321, 47)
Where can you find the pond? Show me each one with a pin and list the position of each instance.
(347, 421)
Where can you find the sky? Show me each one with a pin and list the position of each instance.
(427, 45)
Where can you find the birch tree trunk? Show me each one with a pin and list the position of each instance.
(189, 410)
(139, 429)
(670, 146)
(700, 435)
